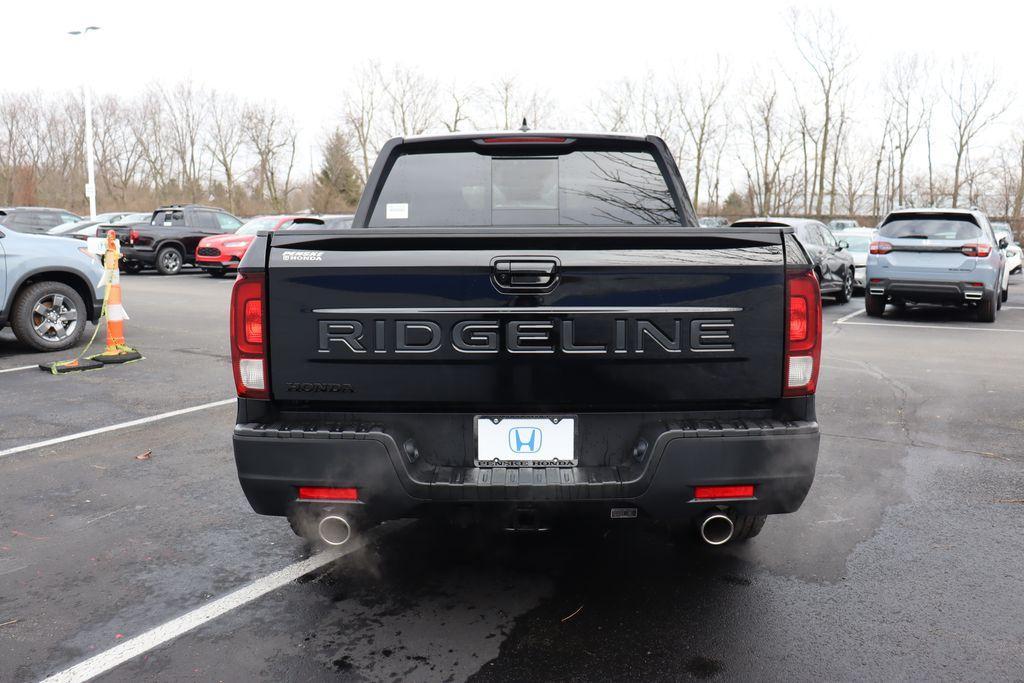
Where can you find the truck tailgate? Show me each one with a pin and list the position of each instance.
(526, 320)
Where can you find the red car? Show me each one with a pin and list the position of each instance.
(220, 254)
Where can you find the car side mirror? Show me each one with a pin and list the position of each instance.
(1003, 243)
(843, 244)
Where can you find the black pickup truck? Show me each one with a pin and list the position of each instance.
(168, 240)
(526, 328)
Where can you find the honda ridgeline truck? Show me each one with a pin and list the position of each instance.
(526, 328)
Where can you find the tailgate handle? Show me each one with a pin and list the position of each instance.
(531, 274)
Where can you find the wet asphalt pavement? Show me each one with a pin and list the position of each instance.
(906, 561)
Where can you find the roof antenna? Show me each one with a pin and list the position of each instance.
(525, 127)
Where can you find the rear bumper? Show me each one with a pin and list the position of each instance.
(778, 458)
(929, 291)
(216, 263)
(147, 256)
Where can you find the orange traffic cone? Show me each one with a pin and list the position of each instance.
(117, 350)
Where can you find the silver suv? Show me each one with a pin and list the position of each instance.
(942, 256)
(49, 289)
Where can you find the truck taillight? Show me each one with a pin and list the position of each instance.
(880, 248)
(803, 333)
(133, 235)
(248, 340)
(976, 250)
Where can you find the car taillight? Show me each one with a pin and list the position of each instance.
(133, 235)
(248, 347)
(803, 333)
(880, 248)
(976, 250)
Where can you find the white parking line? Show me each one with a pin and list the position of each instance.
(105, 661)
(114, 427)
(925, 327)
(23, 367)
(848, 316)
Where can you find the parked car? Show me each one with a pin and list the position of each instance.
(35, 219)
(858, 242)
(713, 222)
(81, 227)
(169, 239)
(49, 289)
(940, 256)
(830, 257)
(1014, 254)
(220, 254)
(549, 349)
(842, 224)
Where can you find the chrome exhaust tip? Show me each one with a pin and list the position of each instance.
(334, 530)
(716, 529)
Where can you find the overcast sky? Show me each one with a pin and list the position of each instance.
(301, 53)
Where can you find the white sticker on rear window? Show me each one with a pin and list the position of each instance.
(397, 212)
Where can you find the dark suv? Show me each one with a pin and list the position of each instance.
(35, 219)
(168, 241)
(830, 256)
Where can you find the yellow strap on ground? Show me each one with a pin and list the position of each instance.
(92, 339)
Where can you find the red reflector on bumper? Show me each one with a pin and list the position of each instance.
(712, 492)
(327, 493)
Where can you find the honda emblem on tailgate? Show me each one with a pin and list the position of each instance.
(525, 439)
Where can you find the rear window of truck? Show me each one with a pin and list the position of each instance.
(168, 218)
(581, 188)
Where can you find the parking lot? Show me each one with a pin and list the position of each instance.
(904, 562)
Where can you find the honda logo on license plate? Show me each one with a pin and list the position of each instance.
(525, 439)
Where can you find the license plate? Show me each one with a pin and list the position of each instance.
(526, 441)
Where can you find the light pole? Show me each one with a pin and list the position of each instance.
(90, 186)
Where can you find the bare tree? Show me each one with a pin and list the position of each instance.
(272, 137)
(410, 101)
(362, 103)
(704, 120)
(972, 109)
(118, 151)
(225, 139)
(931, 167)
(149, 129)
(854, 176)
(770, 143)
(510, 105)
(186, 106)
(822, 44)
(459, 101)
(903, 88)
(883, 142)
(839, 143)
(1018, 197)
(808, 137)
